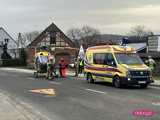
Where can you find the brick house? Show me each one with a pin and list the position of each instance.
(59, 44)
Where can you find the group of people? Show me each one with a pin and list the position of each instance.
(78, 65)
(62, 67)
(51, 68)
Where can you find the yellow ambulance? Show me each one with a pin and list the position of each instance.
(117, 64)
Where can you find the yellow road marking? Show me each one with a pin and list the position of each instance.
(44, 91)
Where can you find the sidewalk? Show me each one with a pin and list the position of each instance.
(8, 110)
(156, 83)
(12, 110)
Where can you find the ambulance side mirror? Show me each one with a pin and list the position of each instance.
(113, 64)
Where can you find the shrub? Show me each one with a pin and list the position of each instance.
(23, 57)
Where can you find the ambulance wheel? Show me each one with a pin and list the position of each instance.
(117, 82)
(90, 78)
(144, 85)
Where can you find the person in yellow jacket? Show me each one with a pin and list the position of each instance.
(81, 65)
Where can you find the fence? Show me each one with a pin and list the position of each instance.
(11, 62)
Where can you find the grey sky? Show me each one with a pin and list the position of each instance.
(109, 16)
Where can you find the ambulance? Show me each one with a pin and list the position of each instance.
(119, 65)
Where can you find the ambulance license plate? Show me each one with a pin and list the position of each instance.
(141, 82)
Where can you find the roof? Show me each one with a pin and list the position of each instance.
(4, 35)
(1, 28)
(155, 55)
(117, 38)
(138, 46)
(113, 48)
(51, 28)
(137, 39)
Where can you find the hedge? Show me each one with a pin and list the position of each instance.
(12, 62)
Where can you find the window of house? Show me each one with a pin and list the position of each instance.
(63, 43)
(67, 45)
(58, 43)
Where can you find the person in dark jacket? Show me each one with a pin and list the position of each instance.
(50, 67)
(76, 64)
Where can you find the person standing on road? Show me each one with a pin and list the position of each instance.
(50, 67)
(76, 63)
(62, 67)
(151, 63)
(81, 66)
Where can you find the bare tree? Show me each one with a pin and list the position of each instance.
(75, 35)
(86, 36)
(26, 38)
(140, 31)
(90, 36)
(30, 36)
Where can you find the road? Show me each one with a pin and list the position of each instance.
(75, 99)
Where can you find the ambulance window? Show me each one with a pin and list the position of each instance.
(109, 60)
(99, 58)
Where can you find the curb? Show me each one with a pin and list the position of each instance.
(155, 85)
(27, 111)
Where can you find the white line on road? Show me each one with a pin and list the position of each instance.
(96, 91)
(56, 83)
(17, 70)
(48, 96)
(30, 78)
(156, 103)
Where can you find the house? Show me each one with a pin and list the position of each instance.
(59, 44)
(12, 44)
(139, 43)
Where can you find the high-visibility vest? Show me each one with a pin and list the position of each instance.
(81, 63)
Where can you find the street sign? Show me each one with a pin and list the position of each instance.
(81, 53)
(154, 43)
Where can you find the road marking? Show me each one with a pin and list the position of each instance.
(96, 91)
(44, 91)
(49, 96)
(156, 103)
(55, 83)
(30, 78)
(17, 70)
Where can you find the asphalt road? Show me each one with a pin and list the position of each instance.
(77, 100)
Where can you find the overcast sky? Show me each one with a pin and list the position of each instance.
(109, 16)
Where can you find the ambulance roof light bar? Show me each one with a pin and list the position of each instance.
(124, 41)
